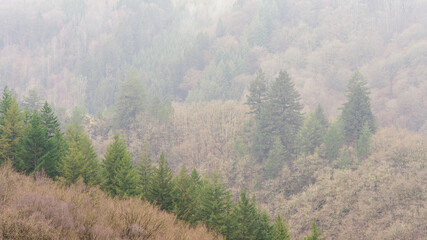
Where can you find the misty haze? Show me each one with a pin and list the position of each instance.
(213, 119)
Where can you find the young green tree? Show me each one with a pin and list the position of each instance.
(34, 145)
(357, 110)
(215, 205)
(56, 143)
(315, 233)
(11, 134)
(257, 94)
(5, 102)
(184, 196)
(364, 142)
(145, 171)
(280, 231)
(161, 186)
(119, 176)
(333, 140)
(33, 101)
(80, 159)
(310, 135)
(130, 99)
(246, 218)
(322, 118)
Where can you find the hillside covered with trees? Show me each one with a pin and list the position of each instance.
(246, 119)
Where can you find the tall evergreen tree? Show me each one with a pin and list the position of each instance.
(80, 159)
(321, 117)
(184, 195)
(161, 186)
(246, 217)
(119, 176)
(145, 170)
(34, 145)
(357, 110)
(280, 231)
(11, 134)
(215, 205)
(5, 102)
(275, 160)
(257, 94)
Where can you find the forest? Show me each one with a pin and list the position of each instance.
(242, 119)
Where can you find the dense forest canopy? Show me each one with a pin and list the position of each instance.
(76, 53)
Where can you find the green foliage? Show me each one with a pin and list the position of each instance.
(275, 160)
(5, 102)
(333, 140)
(33, 101)
(344, 161)
(315, 233)
(357, 110)
(145, 170)
(80, 159)
(215, 205)
(310, 135)
(257, 94)
(130, 99)
(11, 134)
(161, 186)
(119, 176)
(363, 143)
(280, 231)
(184, 195)
(245, 215)
(34, 145)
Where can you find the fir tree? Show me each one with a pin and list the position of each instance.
(246, 217)
(145, 170)
(12, 132)
(184, 196)
(80, 159)
(161, 186)
(34, 145)
(321, 117)
(357, 110)
(215, 205)
(257, 94)
(119, 176)
(280, 231)
(5, 102)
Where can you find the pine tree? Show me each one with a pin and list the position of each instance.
(280, 231)
(12, 132)
(80, 159)
(5, 102)
(119, 176)
(161, 186)
(145, 171)
(257, 94)
(34, 145)
(215, 205)
(246, 217)
(184, 196)
(321, 117)
(357, 110)
(363, 143)
(315, 233)
(50, 121)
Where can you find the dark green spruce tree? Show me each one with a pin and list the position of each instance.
(245, 217)
(119, 176)
(184, 195)
(257, 94)
(80, 159)
(161, 186)
(357, 110)
(11, 134)
(145, 171)
(280, 231)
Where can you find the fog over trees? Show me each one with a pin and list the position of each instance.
(258, 119)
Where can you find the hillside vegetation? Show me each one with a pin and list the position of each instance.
(38, 208)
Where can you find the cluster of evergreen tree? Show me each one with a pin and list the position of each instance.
(282, 133)
(34, 142)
